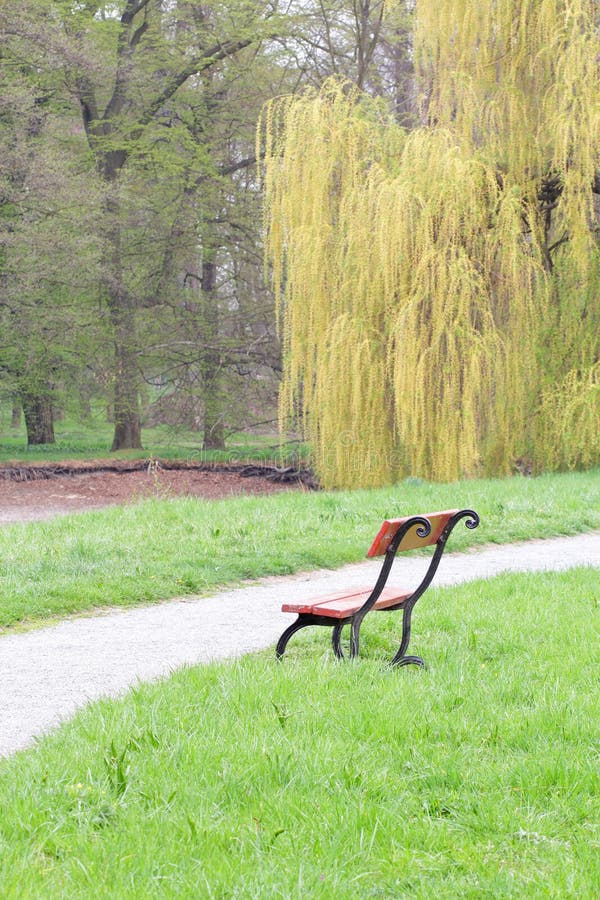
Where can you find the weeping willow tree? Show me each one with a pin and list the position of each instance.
(441, 288)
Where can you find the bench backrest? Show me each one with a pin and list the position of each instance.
(411, 540)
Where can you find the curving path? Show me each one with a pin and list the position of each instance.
(45, 675)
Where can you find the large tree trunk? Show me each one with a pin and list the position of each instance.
(214, 433)
(39, 420)
(128, 431)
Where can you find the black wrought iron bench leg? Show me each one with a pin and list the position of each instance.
(287, 634)
(336, 639)
(409, 660)
(401, 659)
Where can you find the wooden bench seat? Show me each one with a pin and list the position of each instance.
(344, 604)
(350, 607)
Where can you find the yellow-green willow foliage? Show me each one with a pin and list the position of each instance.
(441, 289)
(518, 80)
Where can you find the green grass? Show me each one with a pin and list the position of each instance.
(160, 549)
(478, 777)
(92, 440)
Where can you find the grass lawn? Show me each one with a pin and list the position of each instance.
(92, 440)
(164, 548)
(478, 777)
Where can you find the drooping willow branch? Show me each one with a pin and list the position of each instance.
(441, 289)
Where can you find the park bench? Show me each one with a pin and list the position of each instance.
(350, 607)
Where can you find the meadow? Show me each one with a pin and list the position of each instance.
(159, 549)
(92, 438)
(478, 777)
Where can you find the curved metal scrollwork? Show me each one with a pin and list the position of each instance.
(470, 515)
(422, 531)
(472, 521)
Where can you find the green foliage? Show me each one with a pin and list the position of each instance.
(49, 246)
(431, 281)
(477, 777)
(129, 126)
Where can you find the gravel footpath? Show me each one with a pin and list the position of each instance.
(46, 674)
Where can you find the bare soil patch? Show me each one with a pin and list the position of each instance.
(42, 491)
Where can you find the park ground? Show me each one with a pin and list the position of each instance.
(25, 497)
(475, 778)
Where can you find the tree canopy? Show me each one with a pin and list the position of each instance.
(441, 286)
(156, 103)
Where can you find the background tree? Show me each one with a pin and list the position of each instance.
(159, 102)
(149, 67)
(220, 316)
(442, 297)
(46, 313)
(128, 67)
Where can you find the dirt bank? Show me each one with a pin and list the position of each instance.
(44, 490)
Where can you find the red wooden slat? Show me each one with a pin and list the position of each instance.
(306, 606)
(340, 605)
(411, 541)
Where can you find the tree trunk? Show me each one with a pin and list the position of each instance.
(15, 419)
(128, 431)
(85, 402)
(214, 432)
(39, 420)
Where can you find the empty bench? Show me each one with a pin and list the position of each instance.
(350, 607)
